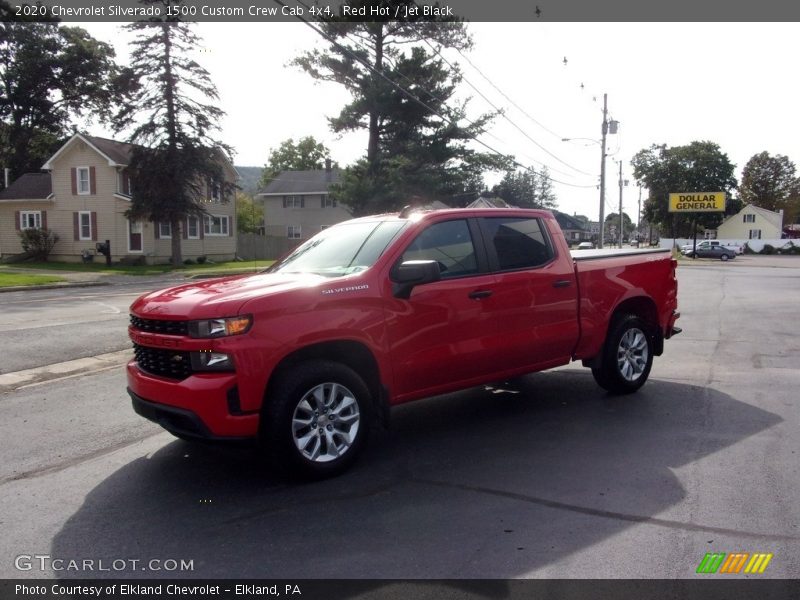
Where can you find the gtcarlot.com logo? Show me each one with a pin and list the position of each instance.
(45, 562)
(734, 563)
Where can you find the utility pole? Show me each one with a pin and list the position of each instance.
(603, 171)
(620, 204)
(639, 219)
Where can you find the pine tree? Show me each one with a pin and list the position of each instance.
(173, 121)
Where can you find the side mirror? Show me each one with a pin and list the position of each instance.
(411, 273)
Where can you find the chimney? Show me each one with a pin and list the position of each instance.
(328, 165)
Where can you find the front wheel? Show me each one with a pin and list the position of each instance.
(315, 419)
(627, 356)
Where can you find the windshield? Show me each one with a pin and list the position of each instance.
(347, 248)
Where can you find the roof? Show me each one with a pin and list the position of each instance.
(30, 186)
(567, 222)
(315, 181)
(119, 152)
(771, 216)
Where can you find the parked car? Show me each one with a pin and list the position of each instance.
(378, 311)
(705, 244)
(585, 246)
(720, 252)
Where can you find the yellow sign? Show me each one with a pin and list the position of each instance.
(697, 202)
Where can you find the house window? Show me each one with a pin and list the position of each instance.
(84, 225)
(164, 229)
(755, 234)
(293, 201)
(125, 183)
(83, 181)
(328, 202)
(293, 232)
(30, 219)
(193, 228)
(216, 225)
(749, 218)
(215, 192)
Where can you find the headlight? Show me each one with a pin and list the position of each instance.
(211, 361)
(213, 328)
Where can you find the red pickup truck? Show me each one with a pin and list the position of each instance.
(382, 310)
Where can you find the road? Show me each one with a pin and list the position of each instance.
(52, 326)
(546, 478)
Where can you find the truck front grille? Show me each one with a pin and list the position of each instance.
(159, 326)
(173, 364)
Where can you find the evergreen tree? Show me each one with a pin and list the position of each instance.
(176, 156)
(527, 189)
(402, 94)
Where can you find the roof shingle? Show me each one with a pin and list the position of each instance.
(30, 186)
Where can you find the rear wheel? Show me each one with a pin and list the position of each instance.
(724, 257)
(315, 419)
(627, 356)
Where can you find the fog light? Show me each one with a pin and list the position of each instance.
(211, 361)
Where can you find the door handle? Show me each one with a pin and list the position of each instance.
(479, 294)
(562, 283)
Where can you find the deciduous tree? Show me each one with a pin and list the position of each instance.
(769, 181)
(697, 167)
(50, 76)
(305, 155)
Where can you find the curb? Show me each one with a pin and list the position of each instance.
(53, 286)
(71, 368)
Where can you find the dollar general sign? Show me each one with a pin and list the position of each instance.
(697, 202)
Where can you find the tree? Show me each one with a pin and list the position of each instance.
(527, 188)
(307, 154)
(176, 156)
(612, 225)
(401, 95)
(698, 167)
(769, 181)
(49, 76)
(249, 214)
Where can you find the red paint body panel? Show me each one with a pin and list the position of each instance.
(440, 339)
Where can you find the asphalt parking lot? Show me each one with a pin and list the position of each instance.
(545, 477)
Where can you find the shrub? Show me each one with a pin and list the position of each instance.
(748, 249)
(188, 261)
(201, 260)
(767, 249)
(38, 243)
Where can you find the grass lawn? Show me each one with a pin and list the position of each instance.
(117, 269)
(23, 279)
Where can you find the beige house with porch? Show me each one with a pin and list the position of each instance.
(83, 199)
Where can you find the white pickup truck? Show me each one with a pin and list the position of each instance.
(702, 244)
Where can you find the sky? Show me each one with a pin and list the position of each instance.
(734, 84)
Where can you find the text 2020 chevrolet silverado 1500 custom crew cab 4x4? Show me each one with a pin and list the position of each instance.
(382, 310)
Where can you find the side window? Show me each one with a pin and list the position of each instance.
(449, 243)
(519, 243)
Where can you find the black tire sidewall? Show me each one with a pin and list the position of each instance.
(276, 430)
(609, 376)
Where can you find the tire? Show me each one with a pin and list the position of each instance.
(724, 257)
(315, 420)
(627, 356)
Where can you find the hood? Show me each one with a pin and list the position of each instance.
(221, 297)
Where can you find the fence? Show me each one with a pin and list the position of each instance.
(251, 246)
(754, 245)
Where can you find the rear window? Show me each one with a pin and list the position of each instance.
(518, 242)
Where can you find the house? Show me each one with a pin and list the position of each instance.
(83, 199)
(297, 205)
(753, 223)
(575, 229)
(489, 202)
